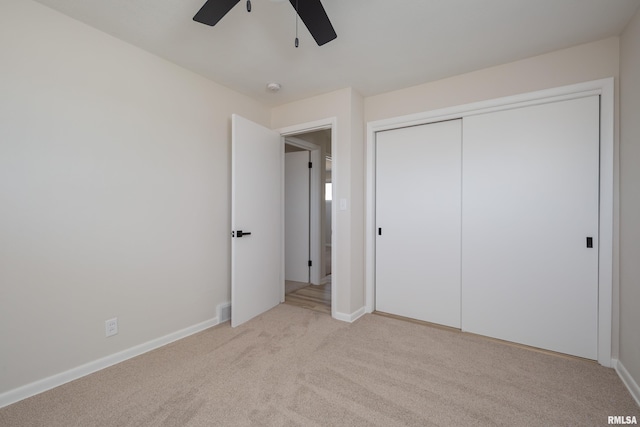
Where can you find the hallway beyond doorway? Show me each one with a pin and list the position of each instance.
(312, 297)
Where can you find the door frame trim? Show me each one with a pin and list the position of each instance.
(605, 89)
(290, 131)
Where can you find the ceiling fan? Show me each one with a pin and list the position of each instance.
(311, 12)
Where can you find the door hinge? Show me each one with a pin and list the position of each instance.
(310, 165)
(310, 263)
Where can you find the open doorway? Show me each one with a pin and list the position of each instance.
(328, 199)
(308, 220)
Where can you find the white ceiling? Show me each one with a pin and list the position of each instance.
(382, 45)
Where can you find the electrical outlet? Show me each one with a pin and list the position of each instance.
(111, 326)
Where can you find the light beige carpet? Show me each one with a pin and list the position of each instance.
(296, 367)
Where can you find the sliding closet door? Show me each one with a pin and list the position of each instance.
(418, 181)
(530, 225)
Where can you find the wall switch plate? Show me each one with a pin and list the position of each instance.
(343, 204)
(111, 326)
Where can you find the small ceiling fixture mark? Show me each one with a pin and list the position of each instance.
(274, 87)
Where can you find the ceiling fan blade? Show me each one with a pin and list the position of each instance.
(315, 18)
(213, 11)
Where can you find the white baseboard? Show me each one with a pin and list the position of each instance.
(350, 317)
(28, 390)
(627, 379)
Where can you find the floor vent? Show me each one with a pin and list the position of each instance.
(224, 312)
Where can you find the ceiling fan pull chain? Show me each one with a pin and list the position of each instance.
(297, 41)
(248, 5)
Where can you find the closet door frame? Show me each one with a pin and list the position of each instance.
(605, 89)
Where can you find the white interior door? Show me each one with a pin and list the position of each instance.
(296, 216)
(256, 208)
(530, 202)
(418, 186)
(316, 215)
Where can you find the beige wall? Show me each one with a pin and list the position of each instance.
(630, 199)
(357, 220)
(348, 170)
(114, 194)
(568, 66)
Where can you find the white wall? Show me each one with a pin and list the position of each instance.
(630, 200)
(348, 170)
(114, 194)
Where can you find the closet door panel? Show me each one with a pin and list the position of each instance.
(530, 203)
(418, 185)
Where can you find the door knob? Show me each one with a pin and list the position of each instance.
(241, 233)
